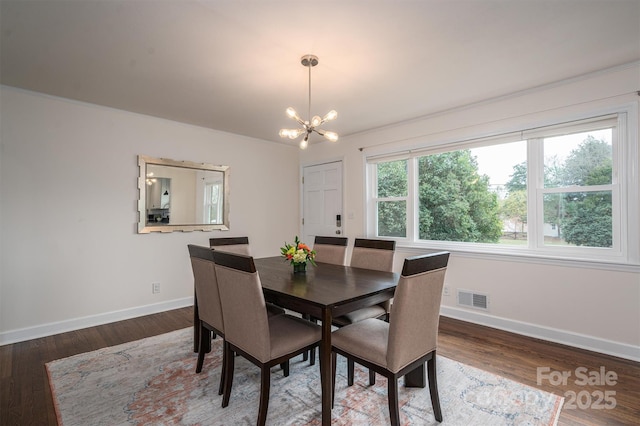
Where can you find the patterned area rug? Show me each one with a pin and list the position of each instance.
(152, 382)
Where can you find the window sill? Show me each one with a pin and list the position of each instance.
(524, 256)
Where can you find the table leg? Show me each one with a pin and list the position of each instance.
(325, 367)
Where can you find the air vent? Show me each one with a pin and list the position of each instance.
(473, 300)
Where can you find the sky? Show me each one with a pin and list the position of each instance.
(497, 161)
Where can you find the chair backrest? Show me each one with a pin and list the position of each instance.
(231, 244)
(206, 286)
(413, 326)
(331, 250)
(373, 254)
(243, 306)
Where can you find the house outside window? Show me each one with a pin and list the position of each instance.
(557, 191)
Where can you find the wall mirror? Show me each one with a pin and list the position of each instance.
(182, 196)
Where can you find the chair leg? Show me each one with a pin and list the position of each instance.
(311, 354)
(372, 377)
(285, 368)
(264, 395)
(394, 413)
(223, 370)
(201, 348)
(350, 371)
(228, 374)
(334, 362)
(433, 388)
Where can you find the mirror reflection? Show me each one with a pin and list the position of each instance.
(182, 196)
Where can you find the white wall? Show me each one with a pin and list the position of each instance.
(592, 308)
(70, 255)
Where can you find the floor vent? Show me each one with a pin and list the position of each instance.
(473, 300)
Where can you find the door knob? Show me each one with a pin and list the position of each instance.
(338, 232)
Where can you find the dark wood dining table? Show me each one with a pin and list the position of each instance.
(324, 291)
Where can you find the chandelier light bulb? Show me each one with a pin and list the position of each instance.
(331, 136)
(331, 115)
(292, 113)
(294, 133)
(304, 142)
(316, 121)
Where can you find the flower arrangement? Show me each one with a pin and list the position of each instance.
(298, 253)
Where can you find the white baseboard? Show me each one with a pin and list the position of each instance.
(564, 337)
(44, 330)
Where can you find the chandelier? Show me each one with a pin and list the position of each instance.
(311, 125)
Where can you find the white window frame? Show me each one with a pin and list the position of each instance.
(625, 250)
(208, 203)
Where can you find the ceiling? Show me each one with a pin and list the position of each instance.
(234, 65)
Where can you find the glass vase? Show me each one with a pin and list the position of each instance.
(299, 268)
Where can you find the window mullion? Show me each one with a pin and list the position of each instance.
(535, 181)
(412, 200)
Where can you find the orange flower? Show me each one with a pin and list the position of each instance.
(303, 246)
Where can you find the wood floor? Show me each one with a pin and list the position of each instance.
(26, 397)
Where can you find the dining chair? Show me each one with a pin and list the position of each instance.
(370, 254)
(367, 254)
(264, 340)
(331, 250)
(409, 339)
(231, 244)
(209, 307)
(240, 245)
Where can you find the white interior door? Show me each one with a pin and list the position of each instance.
(322, 201)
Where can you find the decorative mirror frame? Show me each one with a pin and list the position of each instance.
(143, 228)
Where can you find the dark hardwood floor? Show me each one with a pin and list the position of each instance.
(26, 398)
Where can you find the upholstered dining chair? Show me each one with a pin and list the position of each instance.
(240, 245)
(231, 244)
(331, 250)
(367, 254)
(210, 309)
(370, 254)
(263, 340)
(234, 245)
(409, 339)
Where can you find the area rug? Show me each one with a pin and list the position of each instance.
(153, 382)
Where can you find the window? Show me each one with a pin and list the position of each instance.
(391, 198)
(556, 191)
(213, 202)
